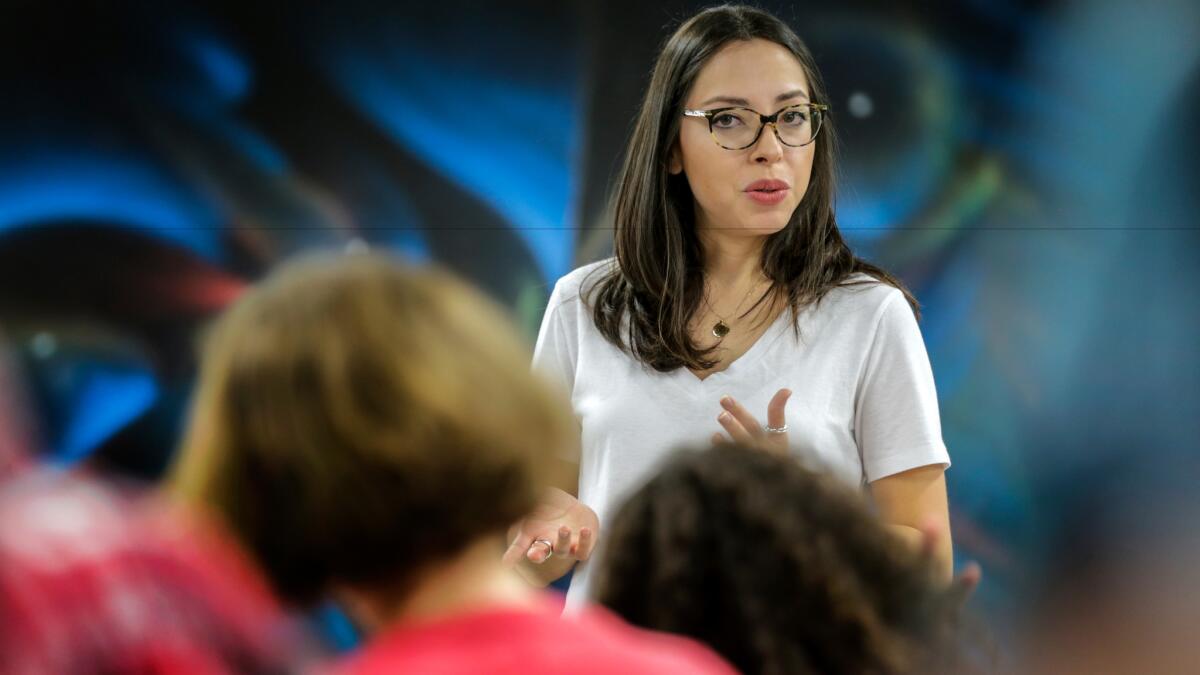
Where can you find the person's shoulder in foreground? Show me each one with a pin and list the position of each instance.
(531, 640)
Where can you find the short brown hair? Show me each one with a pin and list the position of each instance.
(357, 419)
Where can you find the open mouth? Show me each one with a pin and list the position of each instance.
(767, 192)
(767, 186)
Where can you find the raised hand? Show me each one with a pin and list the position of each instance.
(743, 428)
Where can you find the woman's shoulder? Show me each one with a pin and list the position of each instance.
(576, 283)
(862, 293)
(580, 277)
(853, 312)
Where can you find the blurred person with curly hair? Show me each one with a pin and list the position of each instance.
(779, 568)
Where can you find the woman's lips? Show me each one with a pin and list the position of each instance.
(767, 191)
(768, 197)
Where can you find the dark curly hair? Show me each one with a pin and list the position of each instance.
(778, 568)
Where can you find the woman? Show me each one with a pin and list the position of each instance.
(732, 294)
(368, 432)
(712, 544)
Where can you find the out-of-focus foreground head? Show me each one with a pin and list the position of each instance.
(357, 420)
(93, 580)
(778, 568)
(1117, 592)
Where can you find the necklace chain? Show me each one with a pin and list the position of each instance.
(721, 328)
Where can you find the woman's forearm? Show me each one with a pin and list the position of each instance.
(542, 575)
(942, 551)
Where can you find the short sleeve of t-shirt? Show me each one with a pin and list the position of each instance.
(897, 423)
(557, 348)
(555, 353)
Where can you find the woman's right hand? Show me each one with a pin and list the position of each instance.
(559, 532)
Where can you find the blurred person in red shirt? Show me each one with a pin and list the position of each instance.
(94, 579)
(370, 431)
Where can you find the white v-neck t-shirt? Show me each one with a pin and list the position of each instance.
(863, 402)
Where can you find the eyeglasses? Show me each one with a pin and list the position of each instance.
(739, 128)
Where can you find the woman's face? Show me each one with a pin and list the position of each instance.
(764, 77)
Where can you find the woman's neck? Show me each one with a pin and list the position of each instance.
(731, 259)
(473, 580)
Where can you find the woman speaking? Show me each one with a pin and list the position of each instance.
(733, 309)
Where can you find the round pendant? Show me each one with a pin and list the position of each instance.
(720, 329)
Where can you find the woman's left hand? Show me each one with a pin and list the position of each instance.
(744, 428)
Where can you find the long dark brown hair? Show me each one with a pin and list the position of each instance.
(658, 281)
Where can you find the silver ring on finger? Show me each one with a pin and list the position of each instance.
(776, 430)
(549, 547)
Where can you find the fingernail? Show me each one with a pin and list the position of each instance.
(585, 532)
(727, 401)
(564, 531)
(724, 417)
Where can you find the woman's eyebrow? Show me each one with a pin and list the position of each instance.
(733, 100)
(795, 93)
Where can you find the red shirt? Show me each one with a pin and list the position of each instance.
(98, 580)
(520, 641)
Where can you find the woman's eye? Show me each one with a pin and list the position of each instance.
(726, 120)
(794, 117)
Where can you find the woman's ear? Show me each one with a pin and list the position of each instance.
(674, 160)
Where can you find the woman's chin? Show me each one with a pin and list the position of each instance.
(755, 224)
(764, 227)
